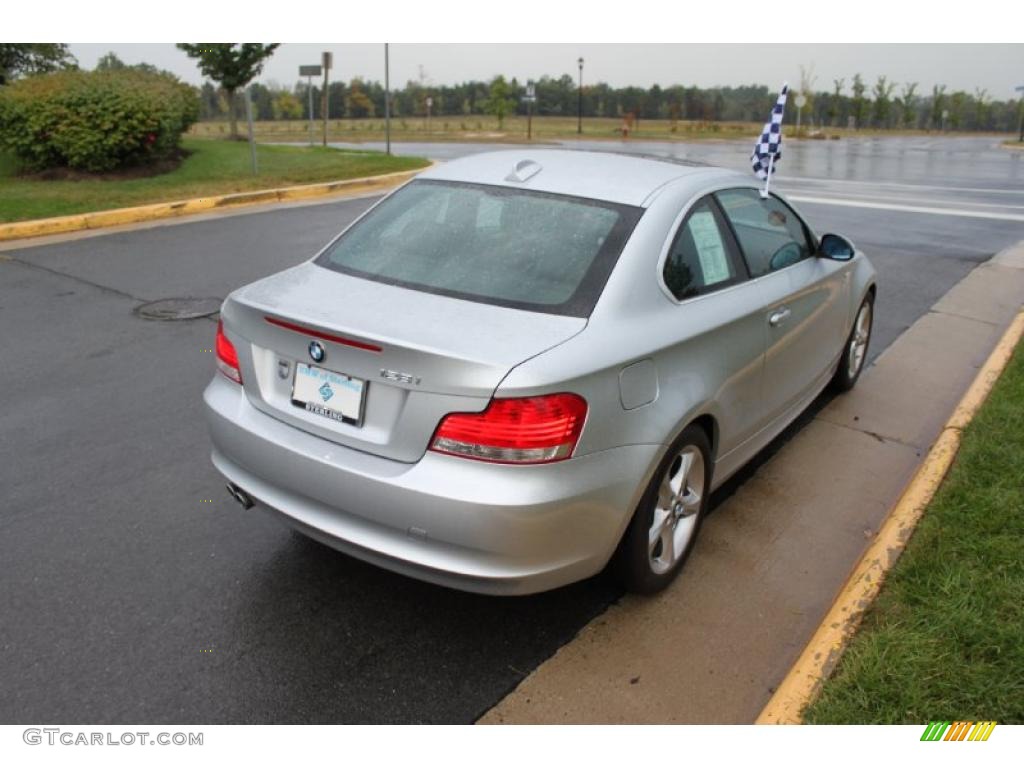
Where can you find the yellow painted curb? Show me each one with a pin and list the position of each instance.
(98, 220)
(804, 680)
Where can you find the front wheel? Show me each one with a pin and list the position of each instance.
(855, 353)
(665, 525)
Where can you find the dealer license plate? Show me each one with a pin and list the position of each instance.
(326, 393)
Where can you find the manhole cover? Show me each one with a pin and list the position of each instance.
(178, 309)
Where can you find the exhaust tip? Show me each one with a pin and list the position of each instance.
(243, 498)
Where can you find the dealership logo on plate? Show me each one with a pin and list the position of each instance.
(326, 392)
(317, 351)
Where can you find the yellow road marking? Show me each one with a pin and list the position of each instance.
(804, 680)
(101, 219)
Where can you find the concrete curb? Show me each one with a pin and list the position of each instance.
(100, 219)
(805, 678)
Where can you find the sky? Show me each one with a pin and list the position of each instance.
(997, 68)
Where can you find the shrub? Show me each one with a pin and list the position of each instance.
(95, 121)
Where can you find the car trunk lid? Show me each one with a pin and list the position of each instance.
(420, 355)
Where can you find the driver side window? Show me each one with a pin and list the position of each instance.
(771, 236)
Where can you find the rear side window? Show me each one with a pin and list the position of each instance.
(510, 247)
(770, 234)
(702, 257)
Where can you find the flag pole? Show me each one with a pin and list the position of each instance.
(768, 180)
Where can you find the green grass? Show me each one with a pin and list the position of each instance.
(213, 167)
(485, 129)
(945, 639)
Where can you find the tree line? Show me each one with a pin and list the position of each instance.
(854, 103)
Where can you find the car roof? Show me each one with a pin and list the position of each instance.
(618, 178)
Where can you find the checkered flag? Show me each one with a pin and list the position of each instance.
(768, 148)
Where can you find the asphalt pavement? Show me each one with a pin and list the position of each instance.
(135, 590)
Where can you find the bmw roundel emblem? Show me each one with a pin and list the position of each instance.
(317, 352)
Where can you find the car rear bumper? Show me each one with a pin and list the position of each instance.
(470, 525)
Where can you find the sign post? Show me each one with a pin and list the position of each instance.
(530, 98)
(326, 62)
(309, 71)
(430, 103)
(801, 102)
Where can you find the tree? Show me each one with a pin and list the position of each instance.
(956, 109)
(286, 107)
(859, 102)
(499, 102)
(938, 104)
(836, 100)
(807, 80)
(109, 60)
(358, 104)
(882, 92)
(981, 107)
(233, 65)
(908, 101)
(33, 59)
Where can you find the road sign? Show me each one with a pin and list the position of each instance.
(327, 60)
(530, 98)
(800, 101)
(309, 71)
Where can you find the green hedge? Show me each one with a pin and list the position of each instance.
(95, 121)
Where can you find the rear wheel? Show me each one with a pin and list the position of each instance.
(664, 527)
(855, 352)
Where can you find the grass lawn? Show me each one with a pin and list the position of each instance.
(483, 128)
(213, 167)
(945, 639)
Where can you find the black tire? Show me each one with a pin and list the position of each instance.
(844, 380)
(632, 563)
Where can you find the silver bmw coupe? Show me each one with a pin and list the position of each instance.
(525, 366)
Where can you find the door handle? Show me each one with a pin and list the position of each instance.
(776, 317)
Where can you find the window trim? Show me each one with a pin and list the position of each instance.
(812, 240)
(733, 252)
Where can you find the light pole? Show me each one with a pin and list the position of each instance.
(579, 100)
(326, 61)
(1020, 110)
(387, 102)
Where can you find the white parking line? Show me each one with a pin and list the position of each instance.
(783, 179)
(846, 202)
(896, 198)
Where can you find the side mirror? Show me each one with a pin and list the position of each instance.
(836, 247)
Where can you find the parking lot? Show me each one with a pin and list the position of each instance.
(136, 590)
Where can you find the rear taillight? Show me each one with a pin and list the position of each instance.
(522, 430)
(227, 356)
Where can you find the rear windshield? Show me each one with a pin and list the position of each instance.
(529, 250)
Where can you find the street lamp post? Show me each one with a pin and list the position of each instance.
(387, 102)
(1020, 110)
(579, 101)
(326, 61)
